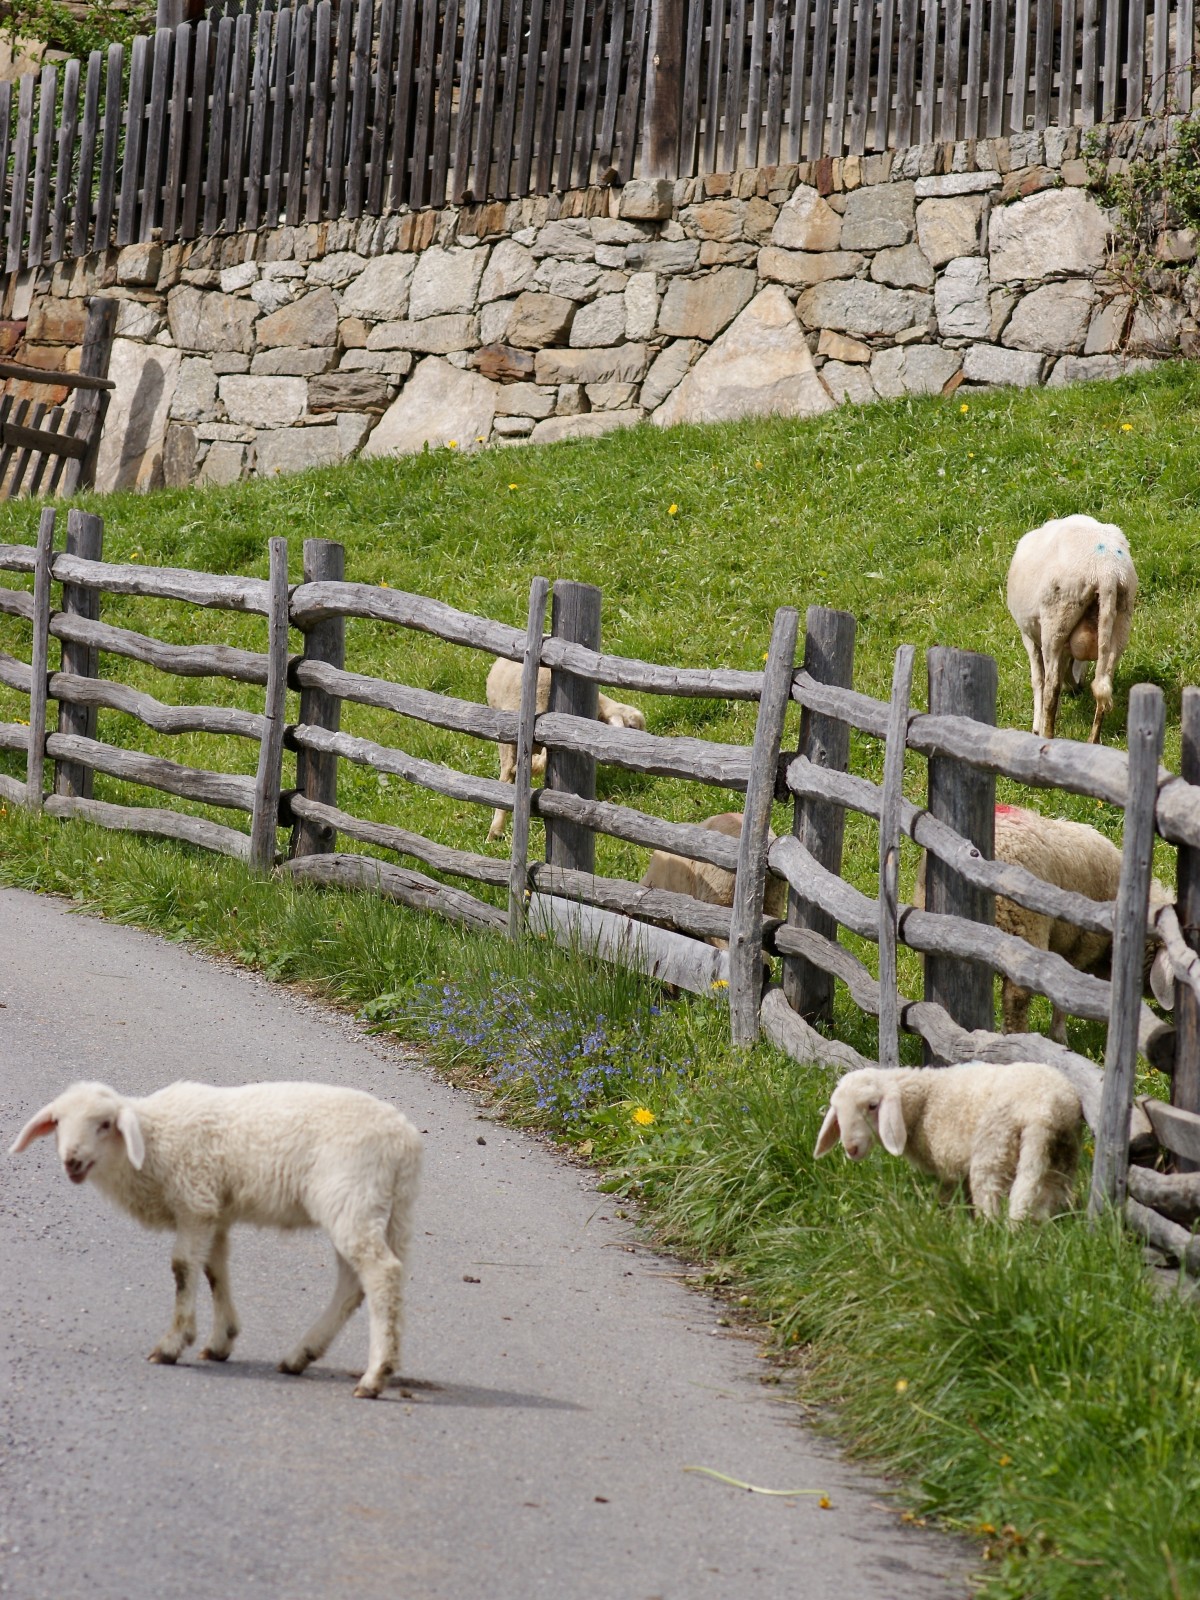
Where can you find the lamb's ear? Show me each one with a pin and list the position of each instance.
(37, 1127)
(130, 1130)
(829, 1135)
(1162, 980)
(893, 1135)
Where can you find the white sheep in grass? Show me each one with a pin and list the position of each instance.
(1071, 590)
(286, 1155)
(1007, 1130)
(504, 694)
(705, 881)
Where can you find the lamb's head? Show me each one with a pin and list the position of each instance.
(864, 1106)
(94, 1126)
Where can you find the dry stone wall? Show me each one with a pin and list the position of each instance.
(781, 291)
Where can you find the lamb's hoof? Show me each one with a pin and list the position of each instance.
(368, 1391)
(163, 1358)
(292, 1367)
(209, 1354)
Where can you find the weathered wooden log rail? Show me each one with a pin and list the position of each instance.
(684, 941)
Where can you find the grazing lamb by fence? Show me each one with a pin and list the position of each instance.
(704, 881)
(1072, 856)
(1071, 590)
(286, 1155)
(504, 694)
(1007, 1130)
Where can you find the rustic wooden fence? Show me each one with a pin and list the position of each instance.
(302, 112)
(661, 933)
(47, 447)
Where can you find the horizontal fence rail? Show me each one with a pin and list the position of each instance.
(706, 941)
(303, 112)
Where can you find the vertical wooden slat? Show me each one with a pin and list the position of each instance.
(58, 460)
(235, 160)
(85, 539)
(406, 67)
(1111, 1164)
(1185, 54)
(860, 95)
(342, 52)
(997, 50)
(260, 111)
(33, 418)
(439, 166)
(155, 143)
(963, 684)
(818, 109)
(818, 824)
(43, 166)
(690, 106)
(22, 151)
(269, 778)
(1160, 60)
(480, 176)
(591, 99)
(1088, 70)
(891, 804)
(796, 97)
(906, 71)
(712, 100)
(548, 121)
(385, 44)
(754, 82)
(16, 413)
(575, 615)
(971, 112)
(1043, 63)
(731, 144)
(504, 150)
(1135, 80)
(67, 134)
(1020, 71)
(325, 641)
(40, 661)
(135, 138)
(518, 872)
(627, 141)
(951, 71)
(607, 151)
(280, 103)
(1112, 60)
(298, 141)
(177, 134)
(1185, 1080)
(929, 73)
(43, 458)
(197, 130)
(91, 405)
(322, 55)
(883, 105)
(468, 79)
(775, 63)
(570, 112)
(356, 151)
(5, 141)
(1066, 63)
(215, 169)
(746, 920)
(423, 129)
(841, 79)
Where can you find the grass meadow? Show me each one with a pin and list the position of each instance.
(1032, 1389)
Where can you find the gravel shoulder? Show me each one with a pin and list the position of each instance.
(558, 1376)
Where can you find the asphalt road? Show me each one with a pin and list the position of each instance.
(558, 1376)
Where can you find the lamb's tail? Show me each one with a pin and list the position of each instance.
(1114, 603)
(1045, 1173)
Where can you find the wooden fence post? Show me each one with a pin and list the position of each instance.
(1145, 735)
(891, 802)
(35, 761)
(523, 777)
(325, 641)
(91, 405)
(575, 615)
(664, 89)
(961, 683)
(1185, 1082)
(746, 923)
(85, 538)
(269, 780)
(819, 825)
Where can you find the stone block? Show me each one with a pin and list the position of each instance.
(662, 255)
(446, 282)
(538, 320)
(955, 183)
(1108, 327)
(611, 396)
(270, 294)
(1053, 319)
(641, 305)
(347, 391)
(224, 361)
(352, 428)
(139, 264)
(140, 319)
(904, 267)
(263, 402)
(195, 392)
(508, 271)
(589, 425)
(1057, 232)
(285, 450)
(913, 369)
(381, 290)
(848, 384)
(961, 299)
(600, 323)
(668, 370)
(433, 336)
(879, 218)
(949, 228)
(224, 463)
(1029, 180)
(865, 310)
(207, 321)
(513, 427)
(439, 403)
(293, 363)
(839, 348)
(799, 268)
(131, 446)
(625, 364)
(699, 308)
(991, 363)
(179, 455)
(502, 363)
(238, 277)
(1083, 369)
(308, 322)
(807, 222)
(56, 322)
(647, 200)
(337, 269)
(715, 219)
(570, 400)
(566, 241)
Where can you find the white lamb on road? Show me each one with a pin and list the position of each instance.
(1006, 1130)
(1071, 591)
(285, 1155)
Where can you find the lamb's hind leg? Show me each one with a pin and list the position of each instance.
(347, 1297)
(382, 1275)
(225, 1319)
(508, 774)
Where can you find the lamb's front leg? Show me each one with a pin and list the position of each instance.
(193, 1246)
(225, 1319)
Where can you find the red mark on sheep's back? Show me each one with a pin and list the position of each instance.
(1011, 811)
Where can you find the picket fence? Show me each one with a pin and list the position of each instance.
(302, 112)
(666, 935)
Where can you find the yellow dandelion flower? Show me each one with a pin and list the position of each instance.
(512, 486)
(901, 1385)
(970, 455)
(384, 584)
(766, 653)
(720, 983)
(643, 1116)
(672, 509)
(825, 1503)
(963, 409)
(986, 1528)
(452, 444)
(479, 439)
(1006, 1461)
(758, 464)
(1127, 427)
